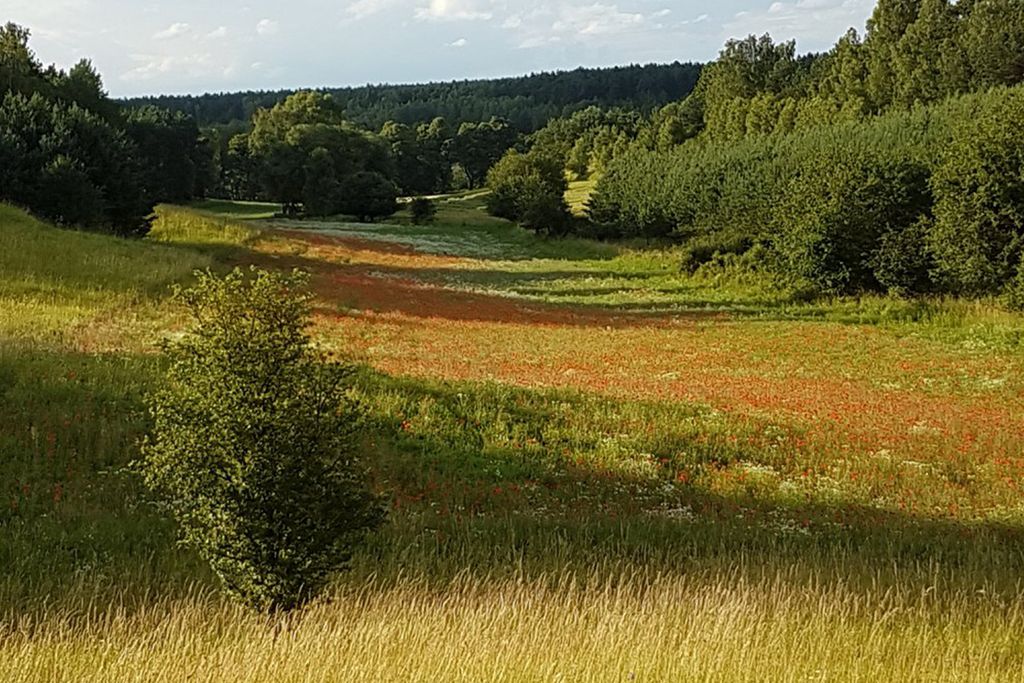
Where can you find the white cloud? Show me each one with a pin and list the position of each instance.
(267, 27)
(596, 20)
(151, 67)
(455, 10)
(461, 42)
(576, 23)
(360, 9)
(219, 32)
(172, 31)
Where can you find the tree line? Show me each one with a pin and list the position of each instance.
(893, 162)
(71, 154)
(526, 102)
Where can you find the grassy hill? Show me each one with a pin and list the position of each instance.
(598, 468)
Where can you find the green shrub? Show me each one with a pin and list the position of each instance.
(368, 195)
(704, 248)
(422, 210)
(321, 193)
(903, 264)
(1014, 295)
(833, 218)
(979, 187)
(545, 213)
(254, 444)
(530, 189)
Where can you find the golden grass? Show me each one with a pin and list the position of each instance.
(578, 195)
(779, 626)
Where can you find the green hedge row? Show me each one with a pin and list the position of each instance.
(924, 200)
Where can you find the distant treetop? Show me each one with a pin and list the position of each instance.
(526, 102)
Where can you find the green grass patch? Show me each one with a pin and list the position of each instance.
(52, 279)
(464, 228)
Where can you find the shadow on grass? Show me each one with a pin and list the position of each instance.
(495, 480)
(483, 479)
(419, 294)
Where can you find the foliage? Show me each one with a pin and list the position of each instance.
(528, 102)
(177, 162)
(530, 189)
(850, 205)
(68, 153)
(478, 146)
(254, 447)
(904, 262)
(368, 196)
(422, 210)
(303, 152)
(70, 166)
(979, 232)
(421, 164)
(832, 221)
(588, 140)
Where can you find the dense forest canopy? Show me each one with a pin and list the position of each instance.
(893, 162)
(71, 154)
(526, 102)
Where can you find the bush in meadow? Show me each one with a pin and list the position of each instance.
(254, 448)
(833, 218)
(530, 189)
(422, 210)
(368, 195)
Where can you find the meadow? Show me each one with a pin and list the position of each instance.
(599, 467)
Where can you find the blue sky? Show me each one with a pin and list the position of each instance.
(196, 46)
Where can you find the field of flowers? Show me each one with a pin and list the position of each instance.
(599, 468)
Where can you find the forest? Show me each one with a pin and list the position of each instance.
(526, 102)
(891, 163)
(842, 172)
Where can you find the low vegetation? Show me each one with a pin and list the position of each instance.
(255, 443)
(574, 452)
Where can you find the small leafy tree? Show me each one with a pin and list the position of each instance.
(254, 445)
(423, 211)
(368, 196)
(529, 189)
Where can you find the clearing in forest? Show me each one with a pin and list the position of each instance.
(598, 467)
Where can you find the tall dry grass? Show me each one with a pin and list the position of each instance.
(780, 625)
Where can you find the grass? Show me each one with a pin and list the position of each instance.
(599, 468)
(464, 228)
(55, 280)
(578, 195)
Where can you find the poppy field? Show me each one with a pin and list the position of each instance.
(597, 467)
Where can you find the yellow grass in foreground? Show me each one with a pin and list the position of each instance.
(783, 626)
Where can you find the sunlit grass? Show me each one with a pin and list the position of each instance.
(793, 491)
(236, 210)
(578, 195)
(771, 623)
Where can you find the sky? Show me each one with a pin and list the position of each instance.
(196, 46)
